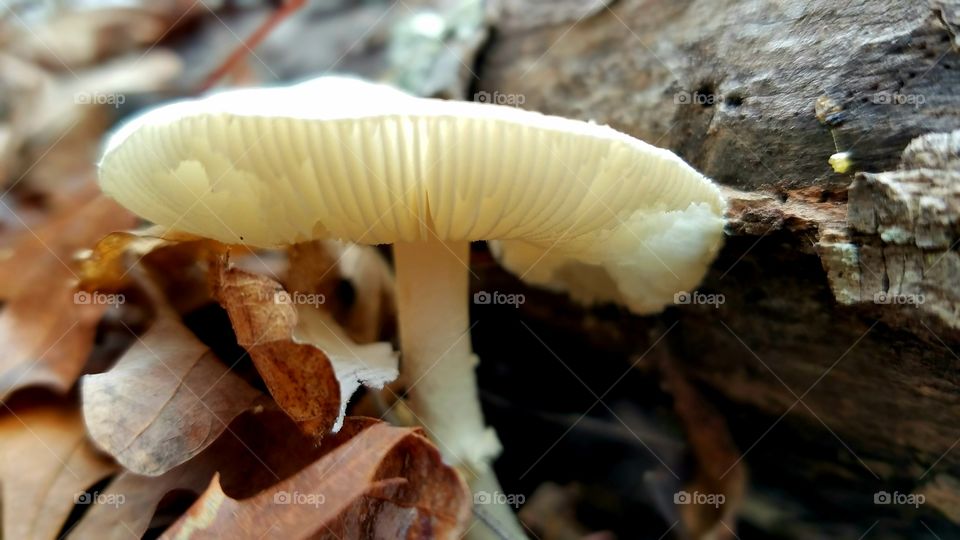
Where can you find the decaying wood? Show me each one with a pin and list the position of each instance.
(821, 338)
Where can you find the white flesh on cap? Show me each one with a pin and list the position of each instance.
(346, 159)
(341, 158)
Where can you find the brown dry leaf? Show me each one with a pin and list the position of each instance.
(719, 466)
(310, 366)
(130, 501)
(74, 38)
(49, 244)
(85, 102)
(378, 481)
(552, 513)
(54, 126)
(55, 170)
(373, 314)
(137, 73)
(164, 401)
(259, 450)
(371, 364)
(108, 265)
(46, 463)
(47, 328)
(367, 312)
(72, 113)
(24, 86)
(176, 263)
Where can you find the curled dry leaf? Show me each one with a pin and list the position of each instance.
(108, 265)
(373, 365)
(355, 281)
(47, 328)
(176, 263)
(48, 246)
(166, 399)
(309, 365)
(46, 464)
(719, 467)
(376, 481)
(373, 311)
(259, 450)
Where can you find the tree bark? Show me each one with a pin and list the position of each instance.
(835, 355)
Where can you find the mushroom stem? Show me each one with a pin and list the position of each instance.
(438, 369)
(437, 359)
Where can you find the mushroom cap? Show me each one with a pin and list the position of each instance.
(342, 158)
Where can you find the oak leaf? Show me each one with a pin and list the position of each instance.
(377, 481)
(46, 464)
(355, 281)
(308, 363)
(166, 399)
(259, 449)
(47, 328)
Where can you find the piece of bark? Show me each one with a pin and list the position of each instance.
(516, 15)
(733, 87)
(900, 260)
(707, 79)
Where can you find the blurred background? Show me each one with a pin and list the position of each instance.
(817, 393)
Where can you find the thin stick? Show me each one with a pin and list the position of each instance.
(288, 8)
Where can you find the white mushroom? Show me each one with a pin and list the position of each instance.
(341, 158)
